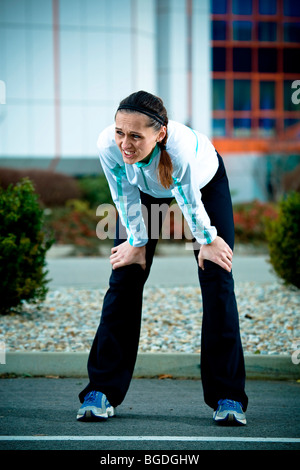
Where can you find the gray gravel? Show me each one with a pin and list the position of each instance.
(67, 320)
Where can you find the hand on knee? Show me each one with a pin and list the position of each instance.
(218, 252)
(126, 254)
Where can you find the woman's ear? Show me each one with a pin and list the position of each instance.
(162, 133)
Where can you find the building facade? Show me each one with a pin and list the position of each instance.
(224, 67)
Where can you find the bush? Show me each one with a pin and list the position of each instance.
(95, 190)
(54, 189)
(283, 237)
(250, 220)
(23, 246)
(74, 224)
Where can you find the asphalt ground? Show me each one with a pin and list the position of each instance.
(156, 415)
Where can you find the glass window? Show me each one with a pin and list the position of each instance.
(291, 96)
(291, 8)
(242, 59)
(267, 7)
(241, 95)
(291, 122)
(219, 127)
(219, 6)
(219, 30)
(267, 60)
(267, 95)
(291, 32)
(219, 59)
(267, 126)
(242, 30)
(242, 7)
(242, 127)
(291, 60)
(267, 31)
(218, 94)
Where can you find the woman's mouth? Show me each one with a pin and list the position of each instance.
(128, 153)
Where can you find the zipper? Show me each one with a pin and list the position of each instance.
(146, 184)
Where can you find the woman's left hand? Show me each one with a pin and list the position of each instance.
(218, 252)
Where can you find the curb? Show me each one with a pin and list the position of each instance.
(148, 365)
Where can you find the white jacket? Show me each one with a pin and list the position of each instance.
(195, 162)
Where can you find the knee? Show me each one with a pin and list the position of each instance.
(132, 276)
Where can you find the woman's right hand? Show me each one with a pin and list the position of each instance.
(126, 254)
(218, 252)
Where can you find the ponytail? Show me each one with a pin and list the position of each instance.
(165, 166)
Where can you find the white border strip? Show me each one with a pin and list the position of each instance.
(152, 438)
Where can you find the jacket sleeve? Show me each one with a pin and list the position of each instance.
(126, 198)
(188, 197)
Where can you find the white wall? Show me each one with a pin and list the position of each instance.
(107, 50)
(173, 55)
(202, 82)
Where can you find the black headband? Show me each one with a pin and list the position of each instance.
(143, 111)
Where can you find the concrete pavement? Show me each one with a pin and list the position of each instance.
(168, 271)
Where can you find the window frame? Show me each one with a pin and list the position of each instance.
(279, 77)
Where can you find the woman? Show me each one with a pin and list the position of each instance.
(148, 160)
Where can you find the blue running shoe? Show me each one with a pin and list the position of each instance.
(229, 412)
(95, 407)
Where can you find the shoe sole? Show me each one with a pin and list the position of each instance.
(92, 415)
(230, 420)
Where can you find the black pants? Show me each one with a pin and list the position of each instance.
(114, 350)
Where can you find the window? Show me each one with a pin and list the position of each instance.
(267, 7)
(219, 30)
(218, 95)
(291, 8)
(219, 7)
(242, 7)
(267, 31)
(242, 59)
(267, 60)
(267, 95)
(291, 32)
(219, 59)
(255, 60)
(242, 95)
(291, 61)
(242, 30)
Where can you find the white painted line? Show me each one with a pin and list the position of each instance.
(152, 438)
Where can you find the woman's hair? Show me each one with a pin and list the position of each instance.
(152, 106)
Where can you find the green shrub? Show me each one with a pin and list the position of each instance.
(95, 190)
(283, 237)
(23, 246)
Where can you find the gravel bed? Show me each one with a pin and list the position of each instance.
(67, 320)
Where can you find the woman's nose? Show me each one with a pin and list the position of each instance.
(125, 142)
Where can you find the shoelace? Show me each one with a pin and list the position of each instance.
(90, 397)
(230, 404)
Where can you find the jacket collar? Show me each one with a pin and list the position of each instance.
(153, 154)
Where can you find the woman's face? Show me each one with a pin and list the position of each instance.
(133, 136)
